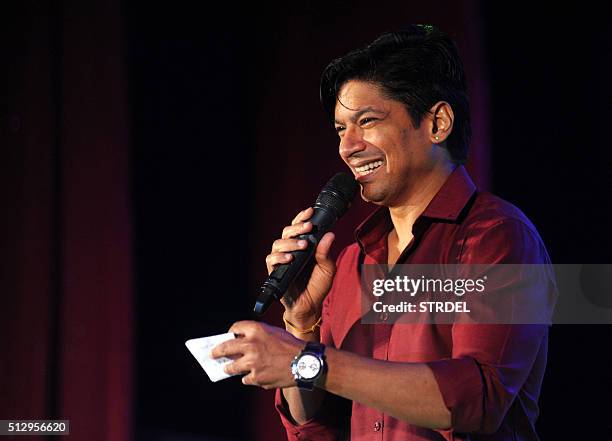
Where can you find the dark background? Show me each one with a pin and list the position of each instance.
(151, 153)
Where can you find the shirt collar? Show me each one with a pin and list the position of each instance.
(446, 205)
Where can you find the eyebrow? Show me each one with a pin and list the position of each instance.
(359, 113)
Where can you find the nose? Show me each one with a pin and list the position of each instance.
(352, 141)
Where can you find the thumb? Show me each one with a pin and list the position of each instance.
(322, 251)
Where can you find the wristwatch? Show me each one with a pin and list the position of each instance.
(309, 365)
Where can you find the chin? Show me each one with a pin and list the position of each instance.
(372, 197)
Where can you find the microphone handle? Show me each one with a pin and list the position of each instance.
(278, 281)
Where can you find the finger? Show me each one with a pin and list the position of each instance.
(296, 229)
(322, 251)
(302, 215)
(246, 328)
(288, 245)
(277, 259)
(248, 380)
(230, 349)
(236, 368)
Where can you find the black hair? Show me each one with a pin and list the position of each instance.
(418, 65)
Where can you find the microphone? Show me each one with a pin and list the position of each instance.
(333, 201)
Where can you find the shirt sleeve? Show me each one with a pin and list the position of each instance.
(332, 421)
(491, 363)
(329, 424)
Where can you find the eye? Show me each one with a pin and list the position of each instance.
(339, 129)
(367, 120)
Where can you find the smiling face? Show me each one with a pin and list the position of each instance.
(378, 141)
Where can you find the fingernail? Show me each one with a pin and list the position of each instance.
(287, 256)
(301, 243)
(306, 224)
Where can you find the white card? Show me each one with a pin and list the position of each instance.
(201, 347)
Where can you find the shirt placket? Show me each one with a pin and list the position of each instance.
(382, 335)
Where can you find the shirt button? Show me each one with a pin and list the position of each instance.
(377, 426)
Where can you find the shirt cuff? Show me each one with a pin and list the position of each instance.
(323, 426)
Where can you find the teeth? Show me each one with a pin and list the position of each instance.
(368, 168)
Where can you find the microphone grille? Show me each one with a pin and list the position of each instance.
(338, 193)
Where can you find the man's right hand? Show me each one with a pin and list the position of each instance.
(303, 301)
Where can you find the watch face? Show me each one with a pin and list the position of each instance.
(308, 366)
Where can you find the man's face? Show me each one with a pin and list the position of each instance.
(378, 141)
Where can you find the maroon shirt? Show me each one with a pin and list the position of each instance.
(489, 375)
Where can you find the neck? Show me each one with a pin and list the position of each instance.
(406, 213)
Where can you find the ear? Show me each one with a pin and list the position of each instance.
(442, 118)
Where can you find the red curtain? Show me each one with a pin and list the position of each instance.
(66, 286)
(66, 297)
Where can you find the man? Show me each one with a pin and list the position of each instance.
(400, 109)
